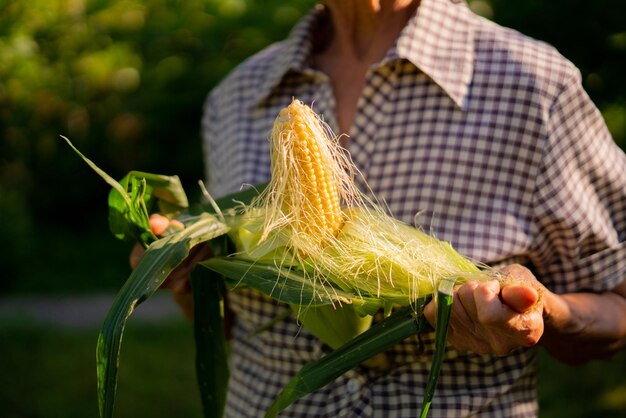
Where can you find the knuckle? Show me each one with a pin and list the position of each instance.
(467, 290)
(531, 339)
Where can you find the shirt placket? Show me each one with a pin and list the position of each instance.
(369, 127)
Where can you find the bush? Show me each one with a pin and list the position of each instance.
(126, 80)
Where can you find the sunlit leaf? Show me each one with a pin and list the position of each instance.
(444, 311)
(284, 285)
(157, 263)
(380, 337)
(211, 353)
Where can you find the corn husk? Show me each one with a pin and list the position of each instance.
(367, 252)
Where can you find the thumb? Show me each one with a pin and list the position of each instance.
(158, 223)
(518, 297)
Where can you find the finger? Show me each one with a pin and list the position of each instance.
(520, 298)
(430, 312)
(158, 223)
(178, 280)
(466, 298)
(462, 328)
(468, 335)
(135, 255)
(489, 309)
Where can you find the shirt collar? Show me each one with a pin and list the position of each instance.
(438, 39)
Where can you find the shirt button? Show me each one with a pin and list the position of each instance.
(352, 386)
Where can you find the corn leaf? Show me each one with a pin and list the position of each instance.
(211, 353)
(444, 310)
(284, 285)
(157, 263)
(380, 337)
(144, 193)
(131, 222)
(111, 181)
(167, 189)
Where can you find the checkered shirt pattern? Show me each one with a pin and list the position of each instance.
(475, 132)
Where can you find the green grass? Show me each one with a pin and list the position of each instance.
(596, 389)
(50, 372)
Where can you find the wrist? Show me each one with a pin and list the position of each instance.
(561, 329)
(557, 315)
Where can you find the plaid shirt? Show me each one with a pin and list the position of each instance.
(477, 133)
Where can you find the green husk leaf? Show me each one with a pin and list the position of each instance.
(160, 258)
(148, 193)
(381, 336)
(132, 198)
(135, 219)
(444, 311)
(335, 326)
(211, 351)
(167, 189)
(285, 284)
(110, 180)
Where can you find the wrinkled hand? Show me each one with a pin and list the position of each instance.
(493, 317)
(178, 280)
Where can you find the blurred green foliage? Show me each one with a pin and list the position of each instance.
(590, 34)
(126, 80)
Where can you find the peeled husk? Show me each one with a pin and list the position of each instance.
(371, 254)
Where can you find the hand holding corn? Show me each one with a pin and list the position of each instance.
(178, 281)
(494, 318)
(369, 252)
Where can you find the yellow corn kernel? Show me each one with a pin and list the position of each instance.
(310, 193)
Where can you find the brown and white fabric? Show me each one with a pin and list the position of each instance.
(478, 134)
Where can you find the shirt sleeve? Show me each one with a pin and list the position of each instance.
(579, 208)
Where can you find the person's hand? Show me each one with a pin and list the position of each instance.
(494, 318)
(178, 280)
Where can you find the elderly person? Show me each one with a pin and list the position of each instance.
(489, 136)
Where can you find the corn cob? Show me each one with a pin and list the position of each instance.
(311, 193)
(310, 179)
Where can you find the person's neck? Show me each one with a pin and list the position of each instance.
(365, 30)
(359, 35)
